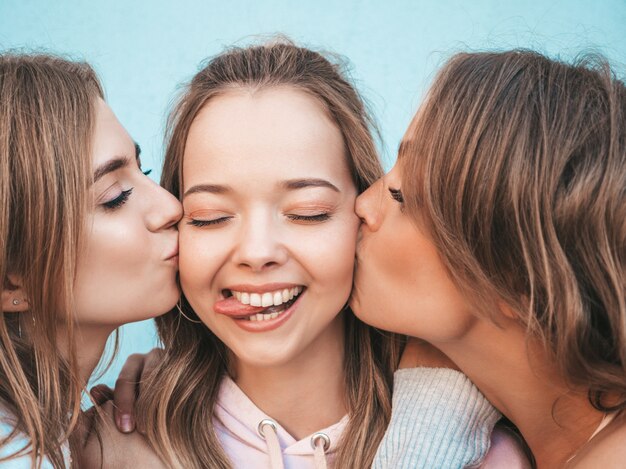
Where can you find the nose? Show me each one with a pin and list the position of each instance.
(260, 246)
(368, 206)
(164, 210)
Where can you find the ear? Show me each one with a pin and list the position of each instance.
(510, 312)
(13, 296)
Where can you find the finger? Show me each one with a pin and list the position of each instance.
(125, 393)
(101, 393)
(151, 362)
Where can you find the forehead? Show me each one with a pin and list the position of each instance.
(273, 133)
(110, 138)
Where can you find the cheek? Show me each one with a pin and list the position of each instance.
(385, 274)
(113, 275)
(200, 255)
(404, 286)
(330, 256)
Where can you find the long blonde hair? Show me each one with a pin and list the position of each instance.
(46, 126)
(180, 397)
(517, 166)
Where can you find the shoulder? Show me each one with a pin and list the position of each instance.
(607, 449)
(15, 443)
(12, 442)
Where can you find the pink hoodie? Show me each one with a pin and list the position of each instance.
(237, 421)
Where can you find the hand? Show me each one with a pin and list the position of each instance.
(106, 448)
(136, 370)
(419, 353)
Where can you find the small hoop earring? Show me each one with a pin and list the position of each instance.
(19, 327)
(180, 310)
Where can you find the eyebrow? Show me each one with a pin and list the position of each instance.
(291, 184)
(210, 188)
(110, 166)
(295, 184)
(115, 164)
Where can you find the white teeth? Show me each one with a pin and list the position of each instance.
(264, 300)
(278, 298)
(263, 317)
(267, 299)
(255, 299)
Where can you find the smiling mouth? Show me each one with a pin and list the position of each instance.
(268, 305)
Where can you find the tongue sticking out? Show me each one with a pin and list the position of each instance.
(232, 307)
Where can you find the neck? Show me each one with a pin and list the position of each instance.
(525, 385)
(306, 393)
(90, 343)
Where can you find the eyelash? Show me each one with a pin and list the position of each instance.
(147, 172)
(396, 194)
(305, 218)
(310, 218)
(201, 223)
(118, 201)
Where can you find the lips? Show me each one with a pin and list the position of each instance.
(258, 303)
(172, 255)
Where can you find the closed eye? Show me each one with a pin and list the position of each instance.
(213, 222)
(118, 201)
(396, 194)
(309, 218)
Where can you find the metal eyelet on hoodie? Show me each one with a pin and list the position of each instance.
(264, 422)
(319, 451)
(320, 436)
(274, 450)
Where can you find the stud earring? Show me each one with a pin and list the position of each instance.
(16, 302)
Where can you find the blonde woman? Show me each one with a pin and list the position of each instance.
(87, 241)
(500, 237)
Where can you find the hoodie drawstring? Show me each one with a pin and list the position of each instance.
(320, 442)
(267, 430)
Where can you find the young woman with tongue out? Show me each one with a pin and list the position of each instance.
(268, 148)
(264, 364)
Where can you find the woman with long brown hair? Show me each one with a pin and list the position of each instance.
(267, 149)
(87, 241)
(263, 363)
(500, 238)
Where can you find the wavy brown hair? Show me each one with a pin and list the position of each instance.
(516, 164)
(46, 127)
(181, 395)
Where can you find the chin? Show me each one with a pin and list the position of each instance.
(263, 358)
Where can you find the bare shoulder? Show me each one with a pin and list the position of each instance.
(607, 449)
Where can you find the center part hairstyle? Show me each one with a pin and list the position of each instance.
(516, 166)
(47, 107)
(179, 401)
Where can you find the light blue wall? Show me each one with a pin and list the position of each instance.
(144, 48)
